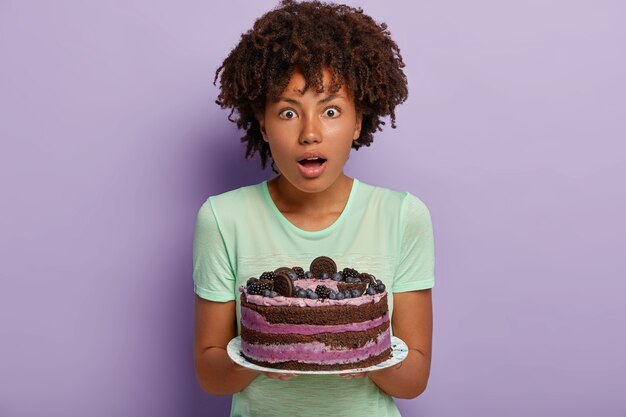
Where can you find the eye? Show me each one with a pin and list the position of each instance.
(287, 114)
(332, 112)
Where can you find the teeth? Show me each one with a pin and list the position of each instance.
(312, 159)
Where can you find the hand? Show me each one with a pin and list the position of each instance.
(353, 375)
(362, 374)
(278, 375)
(273, 375)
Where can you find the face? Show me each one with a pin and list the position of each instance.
(310, 135)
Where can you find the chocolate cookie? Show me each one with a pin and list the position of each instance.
(361, 286)
(283, 269)
(283, 284)
(369, 279)
(323, 264)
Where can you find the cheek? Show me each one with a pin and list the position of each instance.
(281, 132)
(344, 137)
(280, 141)
(346, 150)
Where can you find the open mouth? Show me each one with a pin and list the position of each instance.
(312, 162)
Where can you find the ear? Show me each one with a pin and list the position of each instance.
(357, 126)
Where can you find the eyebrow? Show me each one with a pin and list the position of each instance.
(322, 101)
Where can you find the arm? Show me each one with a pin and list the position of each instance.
(412, 322)
(215, 326)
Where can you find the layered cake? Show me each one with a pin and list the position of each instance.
(321, 319)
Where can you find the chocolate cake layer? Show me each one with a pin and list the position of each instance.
(300, 366)
(335, 340)
(325, 315)
(254, 321)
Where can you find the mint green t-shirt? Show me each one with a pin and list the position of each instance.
(241, 233)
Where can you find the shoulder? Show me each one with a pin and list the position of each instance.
(238, 195)
(234, 200)
(231, 205)
(397, 200)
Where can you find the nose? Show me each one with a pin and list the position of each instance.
(310, 132)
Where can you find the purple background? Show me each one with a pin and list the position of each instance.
(110, 141)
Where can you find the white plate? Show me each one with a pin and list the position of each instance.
(399, 352)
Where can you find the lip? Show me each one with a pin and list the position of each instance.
(314, 171)
(311, 154)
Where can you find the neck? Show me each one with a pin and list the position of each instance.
(291, 199)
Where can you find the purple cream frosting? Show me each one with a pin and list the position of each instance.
(316, 352)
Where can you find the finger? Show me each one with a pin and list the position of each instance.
(353, 375)
(276, 375)
(239, 368)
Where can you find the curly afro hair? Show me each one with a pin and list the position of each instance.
(311, 36)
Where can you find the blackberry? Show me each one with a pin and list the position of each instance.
(269, 275)
(349, 272)
(322, 291)
(255, 289)
(258, 287)
(299, 271)
(266, 284)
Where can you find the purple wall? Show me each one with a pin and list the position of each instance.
(513, 135)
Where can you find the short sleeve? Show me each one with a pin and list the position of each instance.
(417, 252)
(212, 273)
